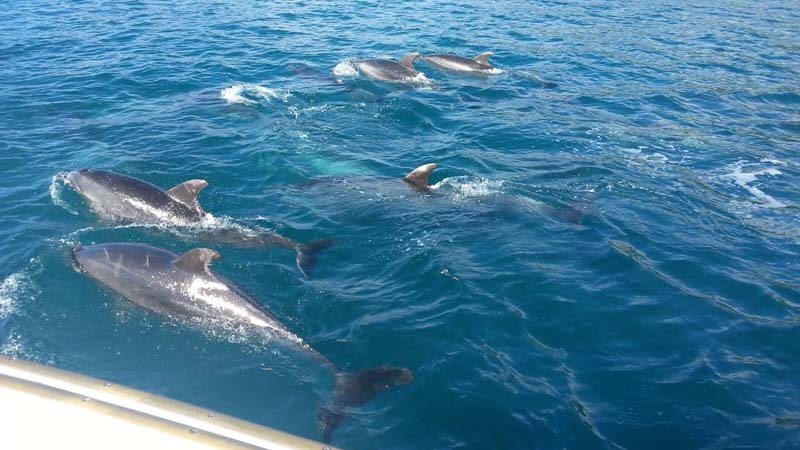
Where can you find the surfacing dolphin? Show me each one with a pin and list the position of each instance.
(418, 180)
(185, 288)
(120, 197)
(479, 64)
(391, 71)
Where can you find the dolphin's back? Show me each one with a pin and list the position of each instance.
(166, 283)
(457, 63)
(382, 69)
(128, 198)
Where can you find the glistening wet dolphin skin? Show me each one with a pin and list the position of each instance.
(455, 63)
(391, 71)
(120, 197)
(185, 288)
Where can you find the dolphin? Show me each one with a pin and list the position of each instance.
(480, 64)
(418, 182)
(185, 288)
(120, 197)
(391, 71)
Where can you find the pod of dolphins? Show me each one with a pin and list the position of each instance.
(184, 286)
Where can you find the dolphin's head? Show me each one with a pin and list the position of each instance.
(92, 259)
(113, 262)
(84, 181)
(79, 179)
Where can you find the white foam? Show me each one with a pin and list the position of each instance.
(743, 179)
(469, 187)
(15, 287)
(15, 346)
(422, 80)
(774, 161)
(251, 94)
(345, 69)
(56, 185)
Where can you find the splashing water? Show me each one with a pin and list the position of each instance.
(251, 94)
(56, 187)
(345, 70)
(465, 187)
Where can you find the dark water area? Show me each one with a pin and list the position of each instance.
(609, 257)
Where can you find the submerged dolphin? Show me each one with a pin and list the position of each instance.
(480, 64)
(121, 197)
(385, 70)
(184, 287)
(418, 180)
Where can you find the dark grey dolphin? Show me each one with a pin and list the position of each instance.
(480, 64)
(392, 71)
(185, 288)
(418, 180)
(120, 197)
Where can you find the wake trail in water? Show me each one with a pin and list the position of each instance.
(743, 175)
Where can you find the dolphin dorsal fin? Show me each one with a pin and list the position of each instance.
(419, 176)
(197, 260)
(186, 193)
(483, 58)
(408, 60)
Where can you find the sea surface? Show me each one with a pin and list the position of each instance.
(609, 258)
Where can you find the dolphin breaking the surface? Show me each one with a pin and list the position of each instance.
(391, 71)
(120, 197)
(185, 288)
(479, 64)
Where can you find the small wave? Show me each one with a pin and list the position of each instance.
(469, 187)
(251, 94)
(743, 178)
(56, 186)
(345, 70)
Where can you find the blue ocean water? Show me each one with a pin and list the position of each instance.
(610, 257)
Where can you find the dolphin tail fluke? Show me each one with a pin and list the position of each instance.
(354, 389)
(307, 254)
(419, 176)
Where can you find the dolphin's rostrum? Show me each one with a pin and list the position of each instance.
(185, 288)
(120, 197)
